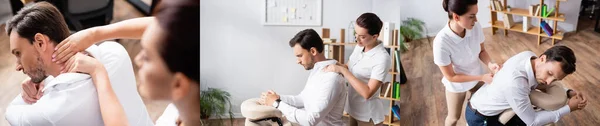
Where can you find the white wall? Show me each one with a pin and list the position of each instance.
(241, 56)
(433, 14)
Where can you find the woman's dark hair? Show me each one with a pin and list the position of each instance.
(458, 7)
(308, 38)
(180, 19)
(371, 22)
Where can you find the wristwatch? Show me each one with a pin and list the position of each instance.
(276, 103)
(569, 91)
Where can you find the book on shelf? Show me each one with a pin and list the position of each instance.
(492, 5)
(537, 10)
(549, 12)
(508, 20)
(532, 9)
(526, 21)
(396, 111)
(328, 40)
(544, 7)
(397, 58)
(397, 91)
(498, 6)
(546, 28)
(388, 87)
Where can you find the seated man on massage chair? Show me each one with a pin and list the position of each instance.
(322, 100)
(514, 87)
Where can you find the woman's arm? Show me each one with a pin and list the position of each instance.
(112, 112)
(127, 29)
(365, 90)
(448, 72)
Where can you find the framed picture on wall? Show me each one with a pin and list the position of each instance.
(292, 12)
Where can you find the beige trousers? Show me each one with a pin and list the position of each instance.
(455, 103)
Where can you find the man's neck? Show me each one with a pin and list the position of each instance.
(534, 61)
(320, 57)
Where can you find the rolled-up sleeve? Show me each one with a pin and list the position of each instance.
(518, 99)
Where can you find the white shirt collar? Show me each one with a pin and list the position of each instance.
(65, 78)
(530, 75)
(323, 63)
(455, 38)
(373, 51)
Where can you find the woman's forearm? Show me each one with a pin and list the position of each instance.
(127, 29)
(484, 56)
(365, 90)
(112, 112)
(459, 78)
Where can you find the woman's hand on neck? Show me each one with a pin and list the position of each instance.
(456, 28)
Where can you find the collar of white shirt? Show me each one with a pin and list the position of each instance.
(321, 64)
(455, 38)
(69, 78)
(373, 51)
(530, 75)
(65, 78)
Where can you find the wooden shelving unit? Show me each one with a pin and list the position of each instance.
(534, 30)
(337, 52)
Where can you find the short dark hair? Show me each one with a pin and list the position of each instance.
(308, 38)
(564, 55)
(180, 19)
(459, 7)
(40, 17)
(370, 22)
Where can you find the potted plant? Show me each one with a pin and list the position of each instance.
(410, 29)
(216, 103)
(508, 7)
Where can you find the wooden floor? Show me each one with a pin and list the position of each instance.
(423, 101)
(10, 79)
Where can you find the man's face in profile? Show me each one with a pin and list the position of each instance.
(28, 58)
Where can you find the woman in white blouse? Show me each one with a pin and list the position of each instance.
(458, 51)
(168, 61)
(366, 70)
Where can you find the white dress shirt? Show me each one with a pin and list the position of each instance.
(462, 52)
(71, 99)
(373, 64)
(169, 116)
(321, 102)
(510, 88)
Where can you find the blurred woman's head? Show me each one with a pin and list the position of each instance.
(463, 12)
(169, 63)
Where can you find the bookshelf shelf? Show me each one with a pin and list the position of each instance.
(555, 17)
(524, 12)
(394, 122)
(337, 53)
(519, 28)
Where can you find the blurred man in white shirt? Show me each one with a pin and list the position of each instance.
(64, 98)
(322, 100)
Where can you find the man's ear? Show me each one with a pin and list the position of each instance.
(180, 86)
(41, 42)
(543, 58)
(313, 51)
